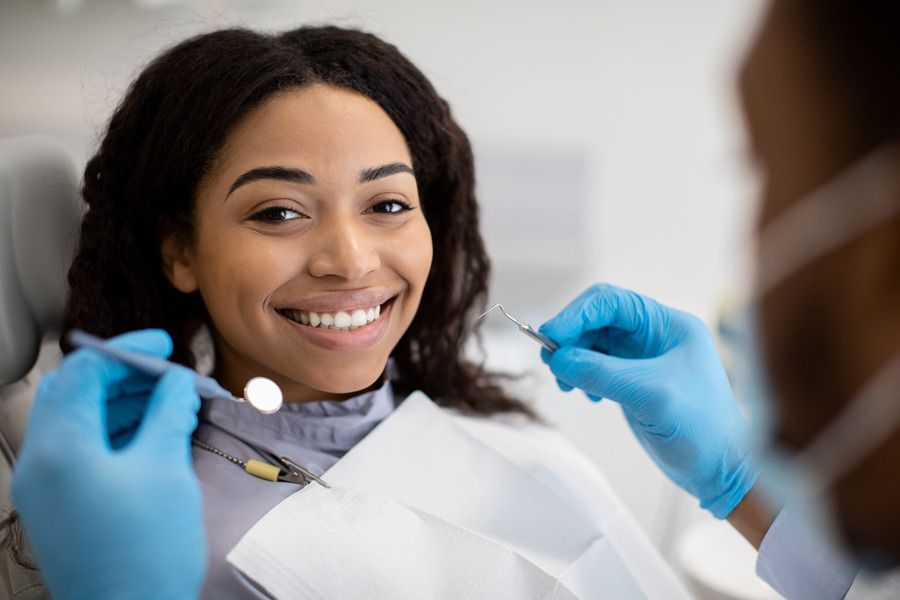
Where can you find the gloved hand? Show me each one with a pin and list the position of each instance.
(126, 402)
(661, 366)
(105, 523)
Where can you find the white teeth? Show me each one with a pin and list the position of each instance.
(343, 320)
(358, 319)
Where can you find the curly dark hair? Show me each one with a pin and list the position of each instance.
(166, 135)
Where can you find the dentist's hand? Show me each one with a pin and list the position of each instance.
(127, 402)
(105, 523)
(661, 365)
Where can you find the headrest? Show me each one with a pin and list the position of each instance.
(40, 209)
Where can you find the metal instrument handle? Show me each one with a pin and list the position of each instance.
(540, 338)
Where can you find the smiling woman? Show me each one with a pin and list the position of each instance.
(308, 200)
(247, 182)
(316, 202)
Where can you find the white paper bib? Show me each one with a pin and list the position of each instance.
(422, 508)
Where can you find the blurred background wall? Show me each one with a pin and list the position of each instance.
(607, 136)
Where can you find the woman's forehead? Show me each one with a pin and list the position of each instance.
(323, 129)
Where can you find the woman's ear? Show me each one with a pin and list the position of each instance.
(177, 264)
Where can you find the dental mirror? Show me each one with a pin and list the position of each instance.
(261, 393)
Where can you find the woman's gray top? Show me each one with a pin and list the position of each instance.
(315, 435)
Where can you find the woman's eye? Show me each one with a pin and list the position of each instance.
(391, 207)
(276, 213)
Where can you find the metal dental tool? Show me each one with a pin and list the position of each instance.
(261, 393)
(286, 469)
(527, 329)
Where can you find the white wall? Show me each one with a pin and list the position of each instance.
(639, 93)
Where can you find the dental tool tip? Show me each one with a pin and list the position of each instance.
(489, 310)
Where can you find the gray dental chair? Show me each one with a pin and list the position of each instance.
(40, 209)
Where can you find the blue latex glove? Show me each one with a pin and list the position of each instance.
(127, 402)
(661, 366)
(105, 523)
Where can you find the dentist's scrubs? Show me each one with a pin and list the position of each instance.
(315, 435)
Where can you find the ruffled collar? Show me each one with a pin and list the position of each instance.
(331, 426)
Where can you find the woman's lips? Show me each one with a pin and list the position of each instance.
(348, 300)
(346, 340)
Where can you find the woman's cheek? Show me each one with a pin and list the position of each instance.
(423, 254)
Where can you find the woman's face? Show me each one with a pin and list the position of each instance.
(310, 248)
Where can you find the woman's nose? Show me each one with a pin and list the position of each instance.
(344, 250)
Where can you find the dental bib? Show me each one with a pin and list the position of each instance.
(436, 505)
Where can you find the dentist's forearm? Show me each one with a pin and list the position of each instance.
(753, 516)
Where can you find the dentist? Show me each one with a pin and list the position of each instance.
(819, 496)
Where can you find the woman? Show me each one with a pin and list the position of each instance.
(306, 200)
(164, 162)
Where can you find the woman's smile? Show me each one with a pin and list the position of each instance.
(341, 321)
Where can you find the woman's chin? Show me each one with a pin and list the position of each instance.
(338, 385)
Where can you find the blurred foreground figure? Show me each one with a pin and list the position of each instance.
(813, 483)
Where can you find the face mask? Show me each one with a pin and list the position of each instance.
(851, 204)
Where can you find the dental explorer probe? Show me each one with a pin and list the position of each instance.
(525, 328)
(261, 393)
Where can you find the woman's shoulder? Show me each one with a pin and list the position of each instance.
(543, 452)
(520, 436)
(555, 462)
(20, 577)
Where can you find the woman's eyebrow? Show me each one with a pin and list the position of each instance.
(384, 171)
(280, 173)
